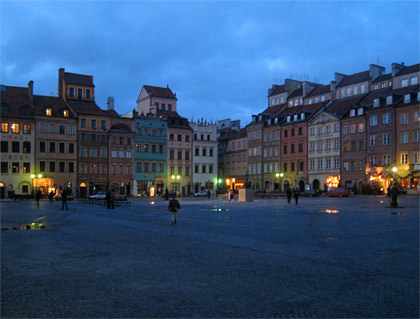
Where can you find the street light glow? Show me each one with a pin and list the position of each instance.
(32, 175)
(394, 169)
(39, 175)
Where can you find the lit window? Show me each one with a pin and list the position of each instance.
(66, 113)
(26, 128)
(48, 111)
(15, 128)
(5, 127)
(404, 158)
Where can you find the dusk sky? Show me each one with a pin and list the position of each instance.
(218, 57)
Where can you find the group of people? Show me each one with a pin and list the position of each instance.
(292, 192)
(65, 192)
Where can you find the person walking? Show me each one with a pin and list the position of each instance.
(208, 193)
(51, 196)
(296, 195)
(289, 194)
(108, 199)
(38, 196)
(112, 199)
(173, 208)
(64, 194)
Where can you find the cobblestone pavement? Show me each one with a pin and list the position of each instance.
(325, 258)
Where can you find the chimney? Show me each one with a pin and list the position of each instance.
(397, 68)
(292, 85)
(31, 91)
(60, 83)
(110, 103)
(307, 88)
(375, 71)
(338, 77)
(333, 84)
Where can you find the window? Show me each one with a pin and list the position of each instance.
(404, 158)
(171, 137)
(416, 158)
(407, 98)
(285, 133)
(103, 138)
(404, 118)
(179, 138)
(102, 152)
(353, 128)
(373, 160)
(61, 147)
(292, 132)
(71, 167)
(48, 111)
(361, 127)
(376, 102)
(346, 166)
(416, 136)
(404, 83)
(311, 146)
(66, 113)
(328, 129)
(387, 139)
(319, 146)
(204, 151)
(292, 148)
(93, 138)
(311, 164)
(292, 167)
(103, 124)
(26, 128)
(121, 154)
(355, 90)
(83, 123)
(61, 167)
(373, 140)
(187, 155)
(4, 167)
(79, 93)
(52, 147)
(300, 147)
(187, 138)
(352, 112)
(83, 152)
(179, 155)
(389, 100)
(362, 89)
(346, 129)
(171, 154)
(319, 166)
(71, 91)
(284, 149)
(87, 93)
(328, 163)
(15, 128)
(15, 147)
(83, 137)
(4, 146)
(285, 167)
(327, 145)
(300, 131)
(387, 118)
(15, 167)
(62, 129)
(203, 169)
(360, 111)
(42, 147)
(414, 80)
(71, 148)
(42, 166)
(373, 120)
(70, 129)
(387, 159)
(404, 138)
(52, 167)
(5, 127)
(336, 143)
(52, 128)
(26, 147)
(312, 131)
(93, 123)
(336, 127)
(348, 91)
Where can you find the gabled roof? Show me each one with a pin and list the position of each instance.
(57, 105)
(278, 89)
(323, 89)
(295, 93)
(354, 78)
(409, 69)
(341, 106)
(174, 119)
(383, 77)
(16, 101)
(74, 78)
(157, 91)
(86, 107)
(274, 109)
(120, 127)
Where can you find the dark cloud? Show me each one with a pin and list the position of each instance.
(220, 57)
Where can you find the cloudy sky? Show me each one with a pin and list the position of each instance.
(219, 57)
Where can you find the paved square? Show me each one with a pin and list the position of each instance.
(326, 257)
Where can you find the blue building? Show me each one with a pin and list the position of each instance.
(150, 154)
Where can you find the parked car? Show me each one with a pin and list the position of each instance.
(100, 195)
(311, 193)
(202, 193)
(338, 192)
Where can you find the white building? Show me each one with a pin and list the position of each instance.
(204, 148)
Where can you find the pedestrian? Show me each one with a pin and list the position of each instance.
(38, 196)
(296, 195)
(108, 199)
(166, 193)
(112, 199)
(208, 193)
(51, 196)
(64, 194)
(173, 208)
(288, 194)
(230, 195)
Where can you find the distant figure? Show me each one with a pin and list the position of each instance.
(230, 196)
(173, 208)
(38, 196)
(288, 194)
(112, 199)
(108, 199)
(208, 193)
(51, 196)
(64, 195)
(166, 193)
(296, 195)
(394, 196)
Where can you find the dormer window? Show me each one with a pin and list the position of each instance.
(406, 98)
(360, 111)
(254, 118)
(71, 92)
(291, 103)
(418, 96)
(323, 98)
(295, 117)
(316, 99)
(80, 93)
(289, 118)
(269, 121)
(296, 102)
(259, 117)
(376, 102)
(310, 101)
(389, 100)
(48, 111)
(88, 93)
(352, 112)
(66, 113)
(276, 120)
(302, 116)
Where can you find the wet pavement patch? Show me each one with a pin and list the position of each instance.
(398, 213)
(32, 226)
(331, 211)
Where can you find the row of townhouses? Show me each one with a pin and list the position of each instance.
(360, 130)
(68, 141)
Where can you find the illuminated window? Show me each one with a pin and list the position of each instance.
(4, 127)
(15, 167)
(48, 111)
(404, 158)
(15, 128)
(66, 113)
(26, 128)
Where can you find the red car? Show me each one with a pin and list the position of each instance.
(338, 192)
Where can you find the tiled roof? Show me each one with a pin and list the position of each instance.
(354, 78)
(383, 77)
(323, 89)
(86, 107)
(409, 69)
(175, 120)
(57, 105)
(341, 106)
(73, 78)
(16, 99)
(157, 91)
(120, 127)
(278, 89)
(112, 113)
(295, 93)
(274, 109)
